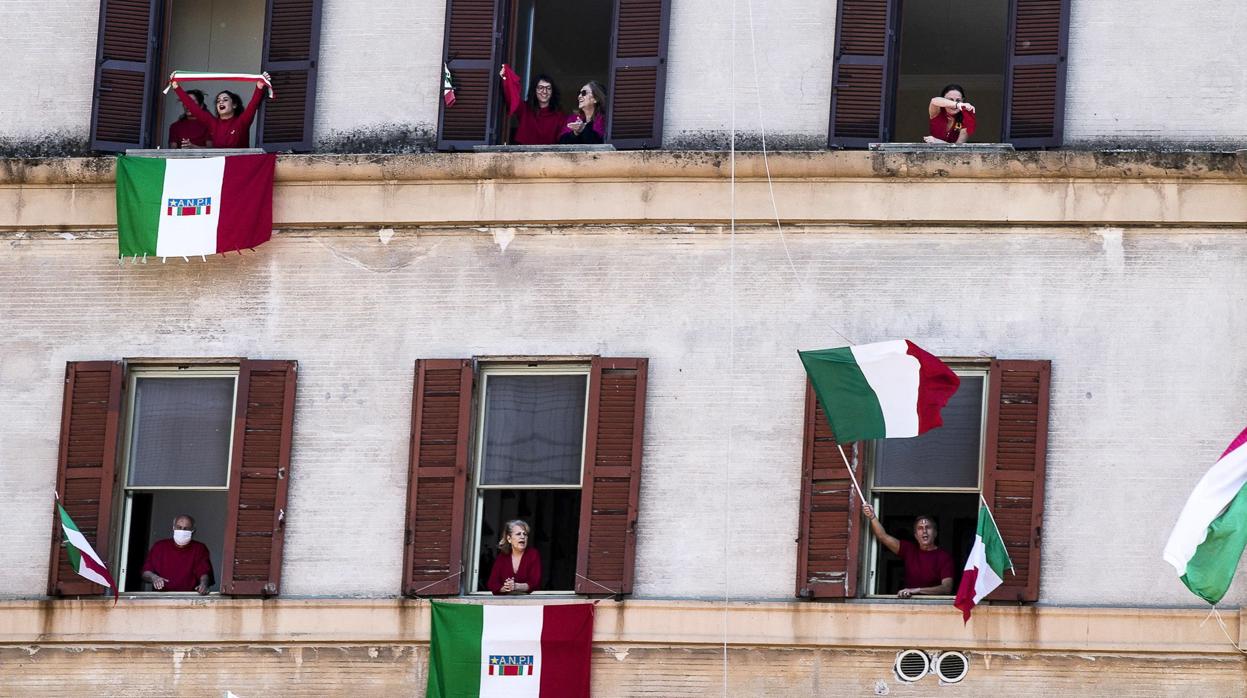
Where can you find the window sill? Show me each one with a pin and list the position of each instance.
(553, 148)
(942, 147)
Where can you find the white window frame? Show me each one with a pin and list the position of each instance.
(872, 560)
(477, 490)
(125, 491)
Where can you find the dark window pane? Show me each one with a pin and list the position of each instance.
(553, 515)
(956, 517)
(944, 457)
(181, 432)
(534, 430)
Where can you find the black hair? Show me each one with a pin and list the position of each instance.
(957, 118)
(599, 96)
(233, 97)
(554, 93)
(198, 96)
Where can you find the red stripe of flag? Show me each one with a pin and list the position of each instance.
(566, 646)
(245, 217)
(936, 385)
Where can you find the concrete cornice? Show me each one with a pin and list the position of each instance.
(193, 620)
(1098, 188)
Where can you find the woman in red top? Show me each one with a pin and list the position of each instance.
(540, 116)
(517, 570)
(229, 128)
(187, 132)
(952, 118)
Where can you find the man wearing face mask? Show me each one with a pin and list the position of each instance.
(179, 563)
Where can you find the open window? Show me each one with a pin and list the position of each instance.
(142, 41)
(893, 56)
(208, 439)
(557, 444)
(620, 43)
(993, 444)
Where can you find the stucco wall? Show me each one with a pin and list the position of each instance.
(1141, 327)
(379, 90)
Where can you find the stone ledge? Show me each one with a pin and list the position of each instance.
(854, 625)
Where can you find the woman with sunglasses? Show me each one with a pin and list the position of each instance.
(589, 124)
(540, 117)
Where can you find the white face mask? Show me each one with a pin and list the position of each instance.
(182, 537)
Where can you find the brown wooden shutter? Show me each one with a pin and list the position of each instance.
(125, 74)
(1035, 90)
(472, 50)
(259, 476)
(1013, 476)
(86, 467)
(638, 73)
(441, 419)
(831, 513)
(612, 476)
(862, 73)
(291, 48)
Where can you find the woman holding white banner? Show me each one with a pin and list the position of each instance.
(231, 127)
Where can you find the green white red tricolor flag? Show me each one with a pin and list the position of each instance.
(882, 390)
(182, 207)
(1211, 532)
(510, 650)
(985, 568)
(82, 556)
(181, 76)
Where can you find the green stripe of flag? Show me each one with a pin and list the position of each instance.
(845, 394)
(1211, 569)
(140, 188)
(75, 558)
(455, 650)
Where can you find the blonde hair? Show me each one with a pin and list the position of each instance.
(505, 545)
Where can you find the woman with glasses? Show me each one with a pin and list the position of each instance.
(952, 118)
(540, 117)
(589, 124)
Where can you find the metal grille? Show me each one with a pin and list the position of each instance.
(912, 665)
(952, 667)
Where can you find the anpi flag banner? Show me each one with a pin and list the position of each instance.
(510, 650)
(1211, 532)
(881, 390)
(82, 556)
(985, 568)
(193, 206)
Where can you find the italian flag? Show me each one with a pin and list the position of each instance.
(985, 568)
(882, 390)
(193, 76)
(82, 556)
(1211, 532)
(510, 650)
(181, 207)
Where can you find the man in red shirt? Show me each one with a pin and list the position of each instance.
(179, 563)
(928, 568)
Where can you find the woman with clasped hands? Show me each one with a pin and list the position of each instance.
(517, 570)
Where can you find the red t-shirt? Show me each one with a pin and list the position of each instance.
(234, 132)
(529, 572)
(182, 567)
(941, 130)
(925, 568)
(189, 129)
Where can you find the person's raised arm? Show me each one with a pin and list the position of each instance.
(249, 113)
(201, 115)
(890, 542)
(510, 88)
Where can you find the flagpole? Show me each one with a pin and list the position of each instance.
(853, 478)
(1002, 538)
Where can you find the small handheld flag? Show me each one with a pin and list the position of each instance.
(881, 390)
(82, 556)
(448, 87)
(985, 568)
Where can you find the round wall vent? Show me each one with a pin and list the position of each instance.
(951, 667)
(912, 665)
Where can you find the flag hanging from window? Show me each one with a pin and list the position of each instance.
(510, 650)
(82, 556)
(193, 206)
(448, 87)
(985, 568)
(1211, 533)
(882, 390)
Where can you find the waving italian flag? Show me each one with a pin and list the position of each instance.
(881, 390)
(985, 568)
(1211, 532)
(82, 556)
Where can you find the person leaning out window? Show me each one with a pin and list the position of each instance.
(588, 124)
(517, 569)
(231, 127)
(928, 567)
(951, 117)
